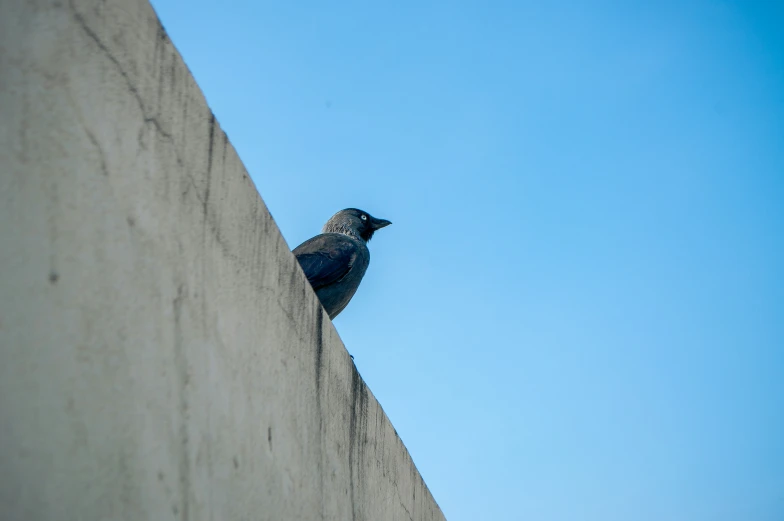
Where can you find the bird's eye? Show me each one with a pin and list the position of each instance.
(363, 217)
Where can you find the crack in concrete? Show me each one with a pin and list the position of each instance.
(148, 120)
(404, 508)
(94, 141)
(193, 184)
(400, 499)
(88, 133)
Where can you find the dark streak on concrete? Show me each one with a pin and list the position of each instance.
(173, 73)
(357, 433)
(53, 277)
(352, 428)
(319, 352)
(209, 163)
(184, 117)
(319, 363)
(160, 50)
(225, 146)
(182, 373)
(208, 224)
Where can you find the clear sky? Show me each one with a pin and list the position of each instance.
(578, 313)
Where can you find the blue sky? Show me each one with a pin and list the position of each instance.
(578, 313)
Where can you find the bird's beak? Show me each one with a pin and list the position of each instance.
(379, 223)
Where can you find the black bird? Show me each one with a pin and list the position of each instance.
(336, 260)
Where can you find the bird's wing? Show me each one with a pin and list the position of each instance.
(326, 258)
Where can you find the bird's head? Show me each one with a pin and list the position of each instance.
(357, 223)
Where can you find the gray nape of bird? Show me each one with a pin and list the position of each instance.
(336, 260)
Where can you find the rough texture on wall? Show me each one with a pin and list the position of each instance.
(161, 354)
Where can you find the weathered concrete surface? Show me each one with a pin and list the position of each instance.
(161, 355)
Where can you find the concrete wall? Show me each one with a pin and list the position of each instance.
(161, 354)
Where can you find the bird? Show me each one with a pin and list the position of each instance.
(336, 260)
